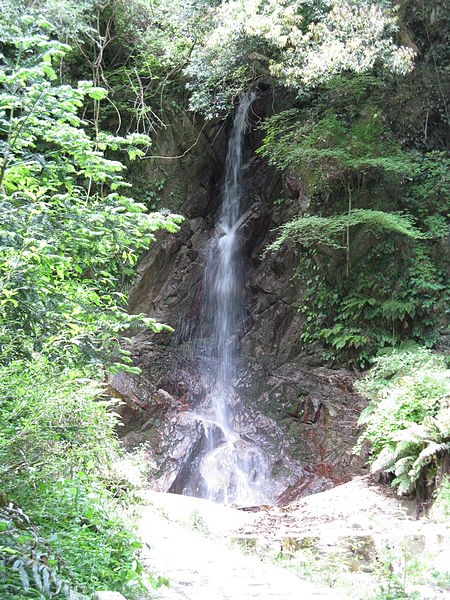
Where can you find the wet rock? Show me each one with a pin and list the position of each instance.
(166, 399)
(169, 274)
(301, 415)
(309, 483)
(139, 395)
(316, 413)
(303, 420)
(180, 444)
(250, 227)
(184, 455)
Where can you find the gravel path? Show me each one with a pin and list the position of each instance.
(201, 546)
(203, 568)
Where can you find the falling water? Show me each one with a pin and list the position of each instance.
(232, 469)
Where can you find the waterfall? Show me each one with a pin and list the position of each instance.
(232, 469)
(223, 275)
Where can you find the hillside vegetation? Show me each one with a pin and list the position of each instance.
(358, 116)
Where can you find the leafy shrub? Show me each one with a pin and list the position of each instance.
(57, 454)
(407, 421)
(94, 535)
(299, 44)
(26, 558)
(53, 424)
(387, 298)
(74, 542)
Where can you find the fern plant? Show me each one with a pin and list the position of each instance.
(311, 230)
(414, 450)
(407, 421)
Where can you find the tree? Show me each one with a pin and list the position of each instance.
(69, 236)
(299, 44)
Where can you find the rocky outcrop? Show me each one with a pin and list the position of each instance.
(300, 413)
(317, 410)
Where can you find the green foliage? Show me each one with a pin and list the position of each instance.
(136, 50)
(369, 249)
(299, 44)
(151, 191)
(388, 297)
(142, 62)
(26, 559)
(338, 142)
(52, 423)
(67, 20)
(441, 505)
(312, 230)
(91, 547)
(57, 455)
(430, 190)
(408, 419)
(69, 239)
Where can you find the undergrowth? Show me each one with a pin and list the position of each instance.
(395, 573)
(64, 514)
(407, 421)
(441, 505)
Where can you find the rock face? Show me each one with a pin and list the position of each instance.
(316, 410)
(301, 414)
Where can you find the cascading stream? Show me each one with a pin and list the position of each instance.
(232, 469)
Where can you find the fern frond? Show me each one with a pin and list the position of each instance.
(428, 453)
(404, 448)
(404, 484)
(432, 450)
(413, 434)
(433, 425)
(403, 465)
(385, 460)
(366, 414)
(442, 422)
